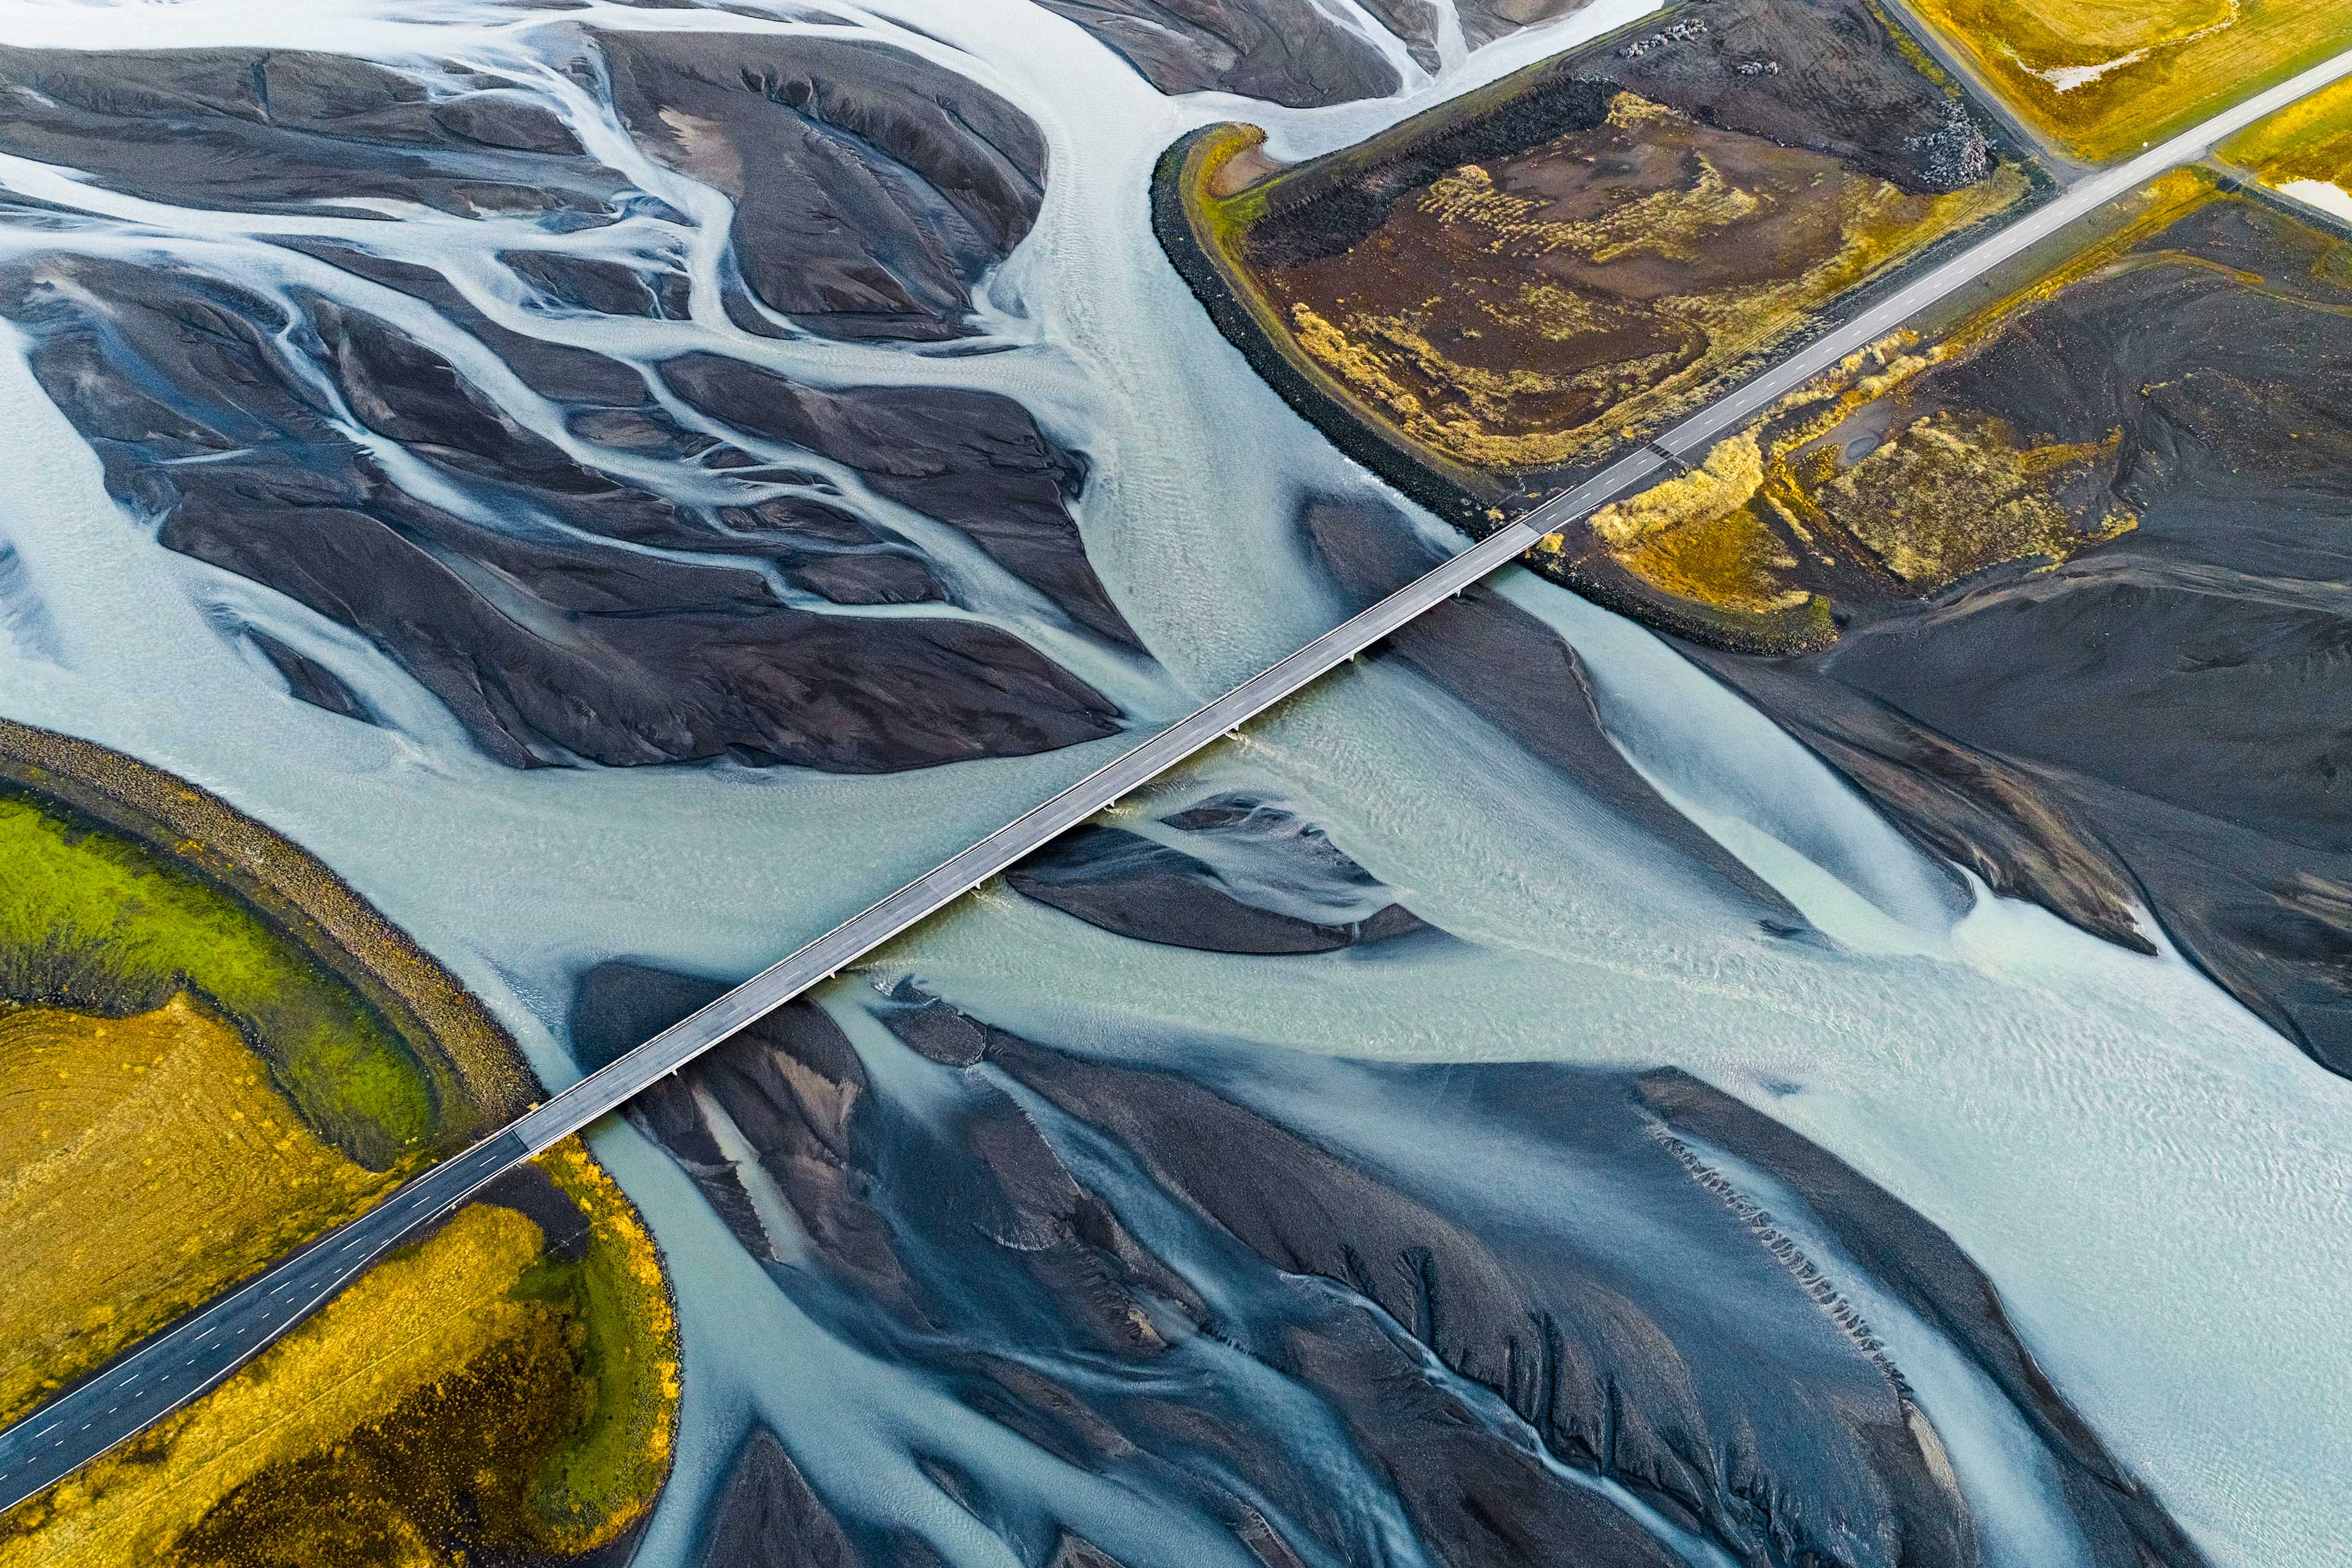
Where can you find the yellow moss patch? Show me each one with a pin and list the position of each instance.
(2103, 76)
(1695, 536)
(2309, 140)
(1362, 366)
(1729, 479)
(1670, 222)
(1780, 513)
(1946, 495)
(600, 1477)
(145, 1164)
(1727, 562)
(1953, 493)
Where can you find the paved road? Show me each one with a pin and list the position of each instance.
(201, 1350)
(197, 1352)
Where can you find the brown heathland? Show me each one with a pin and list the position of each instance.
(1853, 493)
(1523, 314)
(1487, 303)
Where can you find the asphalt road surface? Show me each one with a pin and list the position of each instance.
(201, 1349)
(145, 1384)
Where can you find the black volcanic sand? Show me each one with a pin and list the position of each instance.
(1518, 675)
(309, 680)
(971, 460)
(559, 649)
(768, 1516)
(2164, 718)
(280, 130)
(1287, 51)
(1291, 52)
(872, 190)
(1579, 1280)
(1291, 889)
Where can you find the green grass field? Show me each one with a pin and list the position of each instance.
(94, 923)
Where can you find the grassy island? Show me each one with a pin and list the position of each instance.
(211, 1051)
(1497, 296)
(2304, 150)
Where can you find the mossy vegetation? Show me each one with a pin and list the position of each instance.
(96, 922)
(2147, 737)
(145, 1163)
(1498, 295)
(495, 1392)
(2102, 77)
(1949, 493)
(1695, 538)
(2304, 150)
(1877, 485)
(211, 1051)
(477, 1077)
(596, 1477)
(1852, 497)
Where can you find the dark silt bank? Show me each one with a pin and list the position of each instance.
(636, 588)
(2158, 723)
(1232, 874)
(1528, 1313)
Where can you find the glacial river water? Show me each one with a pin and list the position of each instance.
(2158, 1186)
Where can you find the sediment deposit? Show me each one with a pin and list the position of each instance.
(1371, 1326)
(592, 558)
